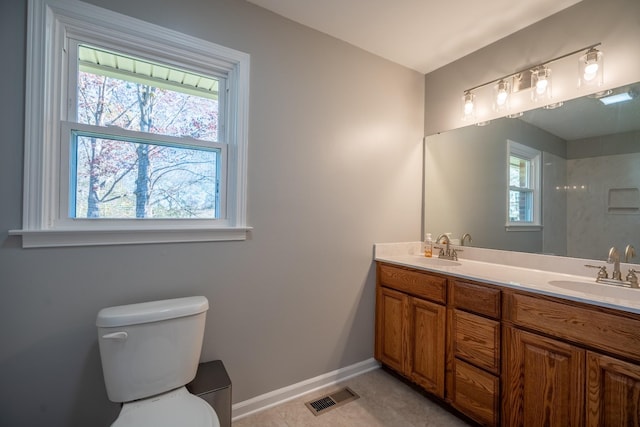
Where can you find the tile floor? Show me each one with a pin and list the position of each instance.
(384, 401)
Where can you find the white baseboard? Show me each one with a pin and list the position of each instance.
(276, 397)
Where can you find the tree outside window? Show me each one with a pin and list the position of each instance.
(115, 178)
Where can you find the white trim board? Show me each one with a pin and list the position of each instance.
(285, 394)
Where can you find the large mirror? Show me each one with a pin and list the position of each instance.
(589, 172)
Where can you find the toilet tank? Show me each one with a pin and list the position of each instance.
(151, 347)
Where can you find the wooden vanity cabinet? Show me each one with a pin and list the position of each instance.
(555, 372)
(410, 325)
(473, 356)
(506, 357)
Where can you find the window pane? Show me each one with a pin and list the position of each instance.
(123, 91)
(519, 172)
(520, 206)
(121, 179)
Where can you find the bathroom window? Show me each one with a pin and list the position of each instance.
(134, 133)
(143, 139)
(523, 191)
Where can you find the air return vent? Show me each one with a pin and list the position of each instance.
(331, 401)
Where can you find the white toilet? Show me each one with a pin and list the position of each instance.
(149, 352)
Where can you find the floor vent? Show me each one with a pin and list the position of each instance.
(331, 401)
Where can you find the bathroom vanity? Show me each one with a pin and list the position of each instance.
(510, 352)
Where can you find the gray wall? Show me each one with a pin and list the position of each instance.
(606, 145)
(334, 166)
(466, 181)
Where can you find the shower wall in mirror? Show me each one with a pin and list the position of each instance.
(590, 167)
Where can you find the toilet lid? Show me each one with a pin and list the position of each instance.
(172, 409)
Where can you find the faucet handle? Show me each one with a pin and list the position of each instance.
(602, 270)
(632, 278)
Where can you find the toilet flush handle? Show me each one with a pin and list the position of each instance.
(117, 336)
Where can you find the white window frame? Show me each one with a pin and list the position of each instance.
(534, 156)
(52, 25)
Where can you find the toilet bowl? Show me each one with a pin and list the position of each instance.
(149, 352)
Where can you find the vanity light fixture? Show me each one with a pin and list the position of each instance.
(591, 66)
(541, 83)
(468, 106)
(591, 73)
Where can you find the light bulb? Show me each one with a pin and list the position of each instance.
(541, 82)
(468, 107)
(541, 86)
(591, 68)
(590, 71)
(502, 97)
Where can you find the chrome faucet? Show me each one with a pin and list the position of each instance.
(444, 253)
(614, 258)
(446, 242)
(465, 236)
(631, 280)
(447, 252)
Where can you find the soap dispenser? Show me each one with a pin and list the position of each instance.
(428, 246)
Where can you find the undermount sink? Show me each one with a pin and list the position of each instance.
(599, 289)
(438, 262)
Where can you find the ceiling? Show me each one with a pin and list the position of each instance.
(586, 117)
(420, 34)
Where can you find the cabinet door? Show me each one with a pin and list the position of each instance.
(425, 345)
(613, 392)
(390, 332)
(543, 381)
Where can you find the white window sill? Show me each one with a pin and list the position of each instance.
(101, 237)
(518, 227)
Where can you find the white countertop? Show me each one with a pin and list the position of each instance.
(553, 283)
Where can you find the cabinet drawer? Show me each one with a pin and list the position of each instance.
(476, 298)
(591, 327)
(476, 393)
(417, 283)
(477, 340)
